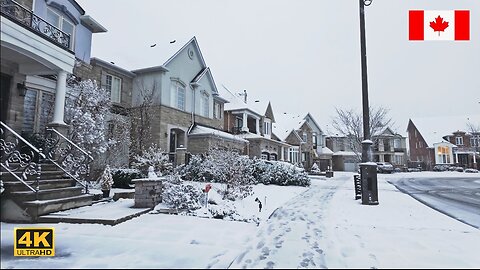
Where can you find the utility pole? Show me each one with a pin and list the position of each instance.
(367, 168)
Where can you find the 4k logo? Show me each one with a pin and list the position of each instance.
(34, 242)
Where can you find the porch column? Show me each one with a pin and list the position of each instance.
(61, 89)
(244, 122)
(474, 158)
(257, 126)
(456, 158)
(281, 150)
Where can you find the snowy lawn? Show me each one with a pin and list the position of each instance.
(152, 240)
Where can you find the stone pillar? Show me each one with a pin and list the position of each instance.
(148, 192)
(244, 123)
(61, 89)
(180, 156)
(257, 126)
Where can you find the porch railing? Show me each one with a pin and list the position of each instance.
(17, 155)
(32, 22)
(67, 156)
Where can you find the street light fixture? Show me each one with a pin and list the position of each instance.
(367, 168)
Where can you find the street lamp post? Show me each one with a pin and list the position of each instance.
(368, 169)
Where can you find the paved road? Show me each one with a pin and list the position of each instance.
(455, 197)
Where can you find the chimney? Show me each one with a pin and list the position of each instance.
(245, 95)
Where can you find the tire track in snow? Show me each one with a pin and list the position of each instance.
(294, 234)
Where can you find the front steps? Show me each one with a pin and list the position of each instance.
(57, 192)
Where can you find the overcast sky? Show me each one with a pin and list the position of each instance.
(303, 55)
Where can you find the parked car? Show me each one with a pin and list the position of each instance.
(384, 167)
(442, 168)
(413, 170)
(471, 170)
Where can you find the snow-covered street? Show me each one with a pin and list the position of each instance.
(321, 227)
(325, 227)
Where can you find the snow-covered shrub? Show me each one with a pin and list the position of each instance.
(106, 180)
(177, 194)
(315, 168)
(279, 174)
(86, 109)
(229, 168)
(195, 170)
(153, 156)
(122, 178)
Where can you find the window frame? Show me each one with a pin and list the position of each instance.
(109, 87)
(459, 140)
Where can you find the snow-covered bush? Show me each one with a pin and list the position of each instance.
(222, 166)
(177, 194)
(106, 180)
(315, 168)
(86, 109)
(279, 174)
(153, 156)
(122, 178)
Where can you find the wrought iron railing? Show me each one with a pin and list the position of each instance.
(18, 156)
(26, 18)
(67, 156)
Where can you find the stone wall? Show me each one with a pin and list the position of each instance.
(203, 144)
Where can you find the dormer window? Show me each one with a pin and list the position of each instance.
(62, 23)
(459, 140)
(267, 127)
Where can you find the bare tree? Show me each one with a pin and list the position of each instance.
(474, 130)
(349, 124)
(141, 116)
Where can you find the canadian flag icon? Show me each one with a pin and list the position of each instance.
(439, 24)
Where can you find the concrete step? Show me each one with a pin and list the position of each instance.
(47, 194)
(6, 176)
(42, 207)
(44, 184)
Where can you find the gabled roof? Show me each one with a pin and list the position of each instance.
(433, 129)
(194, 41)
(177, 51)
(309, 116)
(286, 123)
(203, 73)
(269, 112)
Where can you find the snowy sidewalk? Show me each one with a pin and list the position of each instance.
(326, 227)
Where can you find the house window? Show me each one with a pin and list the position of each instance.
(304, 156)
(266, 127)
(444, 154)
(475, 141)
(314, 138)
(217, 111)
(397, 143)
(61, 23)
(204, 105)
(293, 154)
(113, 84)
(459, 140)
(264, 156)
(304, 136)
(177, 95)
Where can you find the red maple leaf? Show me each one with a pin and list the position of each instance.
(439, 25)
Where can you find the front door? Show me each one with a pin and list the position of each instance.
(173, 141)
(5, 81)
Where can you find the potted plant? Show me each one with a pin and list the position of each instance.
(106, 182)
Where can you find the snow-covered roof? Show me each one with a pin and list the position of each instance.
(235, 101)
(344, 153)
(325, 151)
(199, 130)
(249, 135)
(434, 128)
(285, 123)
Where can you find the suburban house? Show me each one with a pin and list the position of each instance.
(253, 121)
(344, 157)
(41, 42)
(181, 104)
(432, 142)
(306, 140)
(390, 147)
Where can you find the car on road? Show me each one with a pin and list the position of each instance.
(384, 167)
